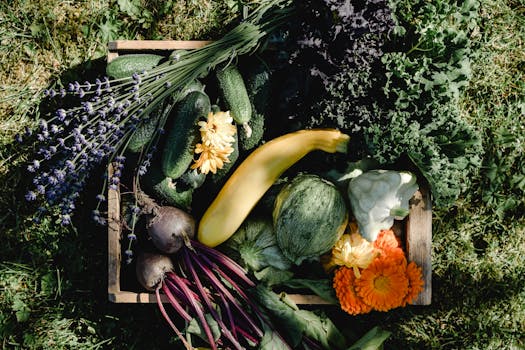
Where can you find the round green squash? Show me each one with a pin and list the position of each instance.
(309, 216)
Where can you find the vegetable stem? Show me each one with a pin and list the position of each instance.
(172, 325)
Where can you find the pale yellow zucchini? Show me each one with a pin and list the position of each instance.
(256, 174)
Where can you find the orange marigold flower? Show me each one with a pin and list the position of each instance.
(386, 239)
(390, 247)
(415, 282)
(383, 284)
(344, 285)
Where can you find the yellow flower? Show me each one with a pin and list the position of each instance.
(353, 251)
(216, 142)
(211, 158)
(217, 131)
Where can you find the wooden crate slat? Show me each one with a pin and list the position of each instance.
(148, 45)
(114, 233)
(419, 240)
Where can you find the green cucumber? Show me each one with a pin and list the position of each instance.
(146, 129)
(124, 66)
(233, 92)
(184, 134)
(257, 127)
(165, 190)
(258, 88)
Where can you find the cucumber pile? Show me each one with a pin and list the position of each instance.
(172, 130)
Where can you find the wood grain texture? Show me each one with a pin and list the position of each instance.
(114, 236)
(148, 45)
(419, 240)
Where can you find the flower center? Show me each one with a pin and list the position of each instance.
(382, 284)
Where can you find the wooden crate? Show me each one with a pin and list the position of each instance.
(418, 225)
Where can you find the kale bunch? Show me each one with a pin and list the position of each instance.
(390, 73)
(424, 83)
(341, 44)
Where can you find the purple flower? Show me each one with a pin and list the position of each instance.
(101, 198)
(61, 114)
(142, 170)
(30, 196)
(135, 209)
(132, 237)
(65, 219)
(41, 189)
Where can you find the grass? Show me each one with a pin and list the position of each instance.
(52, 292)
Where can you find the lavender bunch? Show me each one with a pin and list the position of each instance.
(73, 141)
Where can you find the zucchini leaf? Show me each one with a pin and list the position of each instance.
(272, 341)
(282, 314)
(322, 329)
(256, 244)
(372, 340)
(194, 327)
(299, 323)
(321, 287)
(272, 276)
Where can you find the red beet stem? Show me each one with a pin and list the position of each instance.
(208, 302)
(168, 319)
(229, 314)
(198, 311)
(176, 305)
(246, 335)
(218, 285)
(224, 261)
(174, 288)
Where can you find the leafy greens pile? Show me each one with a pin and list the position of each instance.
(390, 73)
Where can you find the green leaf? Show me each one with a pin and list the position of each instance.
(321, 329)
(22, 311)
(322, 288)
(282, 313)
(272, 276)
(194, 327)
(272, 341)
(130, 7)
(297, 322)
(372, 340)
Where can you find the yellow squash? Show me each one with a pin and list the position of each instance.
(256, 174)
